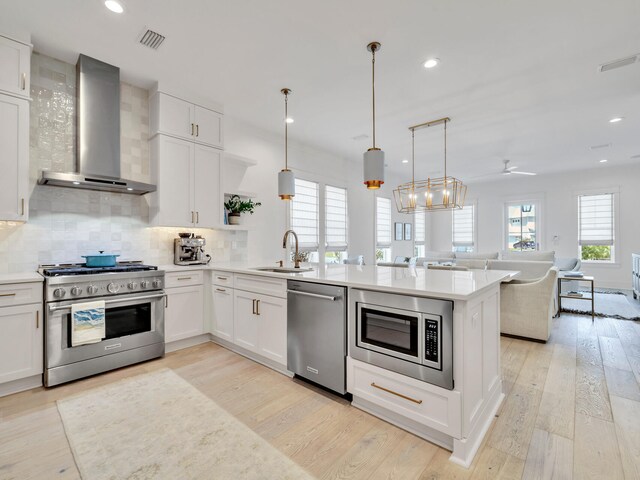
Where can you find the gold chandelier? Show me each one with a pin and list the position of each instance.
(442, 193)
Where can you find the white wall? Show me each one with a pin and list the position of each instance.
(559, 216)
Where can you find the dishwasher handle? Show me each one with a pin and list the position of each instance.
(314, 295)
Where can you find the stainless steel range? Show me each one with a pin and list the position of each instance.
(134, 318)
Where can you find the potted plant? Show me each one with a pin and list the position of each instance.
(235, 207)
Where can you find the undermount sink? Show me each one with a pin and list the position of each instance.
(283, 269)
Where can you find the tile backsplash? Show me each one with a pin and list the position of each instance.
(65, 223)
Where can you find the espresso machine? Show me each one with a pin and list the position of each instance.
(189, 250)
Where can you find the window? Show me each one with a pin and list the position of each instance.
(335, 224)
(420, 234)
(596, 229)
(463, 233)
(522, 227)
(304, 218)
(383, 229)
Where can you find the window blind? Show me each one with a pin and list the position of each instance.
(383, 222)
(596, 219)
(463, 224)
(304, 214)
(420, 230)
(336, 218)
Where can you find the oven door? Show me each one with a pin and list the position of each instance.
(391, 331)
(131, 321)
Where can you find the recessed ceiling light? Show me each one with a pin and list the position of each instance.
(616, 119)
(405, 161)
(432, 62)
(604, 160)
(289, 120)
(114, 6)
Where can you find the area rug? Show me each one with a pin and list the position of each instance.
(607, 304)
(158, 426)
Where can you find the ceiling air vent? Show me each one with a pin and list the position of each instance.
(151, 39)
(599, 147)
(622, 62)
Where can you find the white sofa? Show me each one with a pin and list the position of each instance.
(527, 306)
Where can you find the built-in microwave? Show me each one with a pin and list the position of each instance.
(409, 335)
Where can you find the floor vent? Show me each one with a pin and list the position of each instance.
(599, 147)
(623, 62)
(151, 39)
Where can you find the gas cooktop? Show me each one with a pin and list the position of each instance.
(82, 269)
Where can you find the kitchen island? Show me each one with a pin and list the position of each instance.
(456, 419)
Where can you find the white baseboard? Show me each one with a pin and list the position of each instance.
(252, 356)
(186, 343)
(20, 385)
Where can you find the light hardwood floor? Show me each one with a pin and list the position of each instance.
(572, 410)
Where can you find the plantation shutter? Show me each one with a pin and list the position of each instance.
(463, 223)
(304, 214)
(420, 231)
(336, 218)
(596, 219)
(383, 222)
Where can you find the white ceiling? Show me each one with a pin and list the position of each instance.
(519, 79)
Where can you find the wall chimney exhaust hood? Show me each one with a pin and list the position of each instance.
(97, 133)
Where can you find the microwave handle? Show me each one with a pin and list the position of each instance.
(109, 302)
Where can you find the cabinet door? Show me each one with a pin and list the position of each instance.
(222, 313)
(245, 321)
(15, 67)
(206, 191)
(174, 165)
(14, 158)
(272, 328)
(208, 127)
(175, 117)
(21, 346)
(184, 315)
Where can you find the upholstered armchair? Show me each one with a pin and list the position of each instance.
(527, 306)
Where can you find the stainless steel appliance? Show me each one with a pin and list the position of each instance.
(190, 250)
(317, 333)
(409, 335)
(134, 318)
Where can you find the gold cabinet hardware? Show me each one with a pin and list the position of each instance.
(192, 128)
(37, 318)
(222, 278)
(254, 306)
(24, 81)
(197, 130)
(184, 278)
(373, 384)
(257, 307)
(22, 203)
(166, 301)
(220, 290)
(7, 294)
(197, 217)
(193, 217)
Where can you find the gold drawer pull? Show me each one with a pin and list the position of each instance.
(7, 294)
(184, 278)
(396, 393)
(222, 278)
(220, 290)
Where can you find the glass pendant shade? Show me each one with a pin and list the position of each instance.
(286, 184)
(373, 168)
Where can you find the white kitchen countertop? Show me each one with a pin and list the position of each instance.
(26, 277)
(447, 284)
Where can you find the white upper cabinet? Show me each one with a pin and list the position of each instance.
(206, 189)
(14, 158)
(179, 118)
(15, 67)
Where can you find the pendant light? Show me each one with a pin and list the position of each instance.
(443, 193)
(374, 157)
(286, 178)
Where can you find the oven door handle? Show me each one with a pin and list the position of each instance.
(109, 302)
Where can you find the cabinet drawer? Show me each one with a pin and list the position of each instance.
(421, 402)
(222, 279)
(266, 285)
(20, 294)
(183, 279)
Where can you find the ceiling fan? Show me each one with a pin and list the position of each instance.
(507, 170)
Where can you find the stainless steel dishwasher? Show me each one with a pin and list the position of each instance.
(317, 333)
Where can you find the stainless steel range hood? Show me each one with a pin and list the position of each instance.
(97, 133)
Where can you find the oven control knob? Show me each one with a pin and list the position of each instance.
(157, 284)
(132, 285)
(113, 288)
(76, 291)
(144, 284)
(92, 289)
(59, 292)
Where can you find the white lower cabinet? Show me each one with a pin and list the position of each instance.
(245, 321)
(222, 312)
(184, 315)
